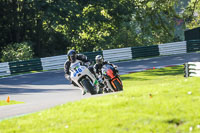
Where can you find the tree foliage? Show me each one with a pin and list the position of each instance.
(192, 14)
(54, 26)
(17, 51)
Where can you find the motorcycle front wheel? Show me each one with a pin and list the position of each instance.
(117, 84)
(88, 86)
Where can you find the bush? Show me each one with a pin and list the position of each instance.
(16, 52)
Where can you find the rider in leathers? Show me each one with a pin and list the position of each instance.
(72, 57)
(98, 66)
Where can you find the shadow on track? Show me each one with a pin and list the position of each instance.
(35, 83)
(4, 91)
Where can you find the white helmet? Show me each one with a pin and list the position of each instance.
(99, 59)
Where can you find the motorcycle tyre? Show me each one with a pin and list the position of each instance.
(118, 85)
(88, 86)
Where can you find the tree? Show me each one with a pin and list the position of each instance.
(192, 14)
(55, 26)
(16, 52)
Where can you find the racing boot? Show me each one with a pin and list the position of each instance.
(84, 91)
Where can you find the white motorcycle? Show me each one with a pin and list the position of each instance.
(81, 75)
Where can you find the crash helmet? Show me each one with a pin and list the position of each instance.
(71, 55)
(99, 59)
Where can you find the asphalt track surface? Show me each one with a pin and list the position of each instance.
(44, 90)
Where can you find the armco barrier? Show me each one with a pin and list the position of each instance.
(54, 62)
(25, 66)
(193, 45)
(117, 54)
(173, 48)
(145, 51)
(57, 62)
(112, 55)
(91, 55)
(192, 69)
(4, 69)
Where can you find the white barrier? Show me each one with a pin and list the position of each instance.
(4, 69)
(173, 48)
(194, 69)
(55, 62)
(112, 55)
(117, 54)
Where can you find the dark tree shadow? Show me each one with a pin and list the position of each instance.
(39, 82)
(4, 91)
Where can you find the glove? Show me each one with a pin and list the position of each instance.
(67, 77)
(100, 80)
(87, 64)
(115, 66)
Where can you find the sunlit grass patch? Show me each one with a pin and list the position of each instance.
(157, 101)
(4, 102)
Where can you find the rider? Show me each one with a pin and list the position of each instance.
(97, 68)
(72, 57)
(99, 64)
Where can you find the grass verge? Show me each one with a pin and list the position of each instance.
(3, 102)
(153, 101)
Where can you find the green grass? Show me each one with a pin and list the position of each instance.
(3, 102)
(171, 109)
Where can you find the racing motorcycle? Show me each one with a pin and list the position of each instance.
(111, 79)
(81, 75)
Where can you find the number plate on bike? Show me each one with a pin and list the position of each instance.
(78, 70)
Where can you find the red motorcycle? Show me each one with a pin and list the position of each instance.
(111, 79)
